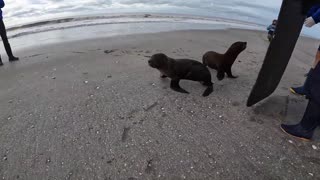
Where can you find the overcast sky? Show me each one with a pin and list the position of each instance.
(18, 11)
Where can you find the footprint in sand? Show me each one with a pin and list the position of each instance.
(34, 55)
(256, 120)
(109, 51)
(139, 51)
(125, 134)
(150, 167)
(235, 103)
(119, 52)
(78, 52)
(95, 49)
(125, 52)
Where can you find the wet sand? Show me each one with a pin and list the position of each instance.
(94, 109)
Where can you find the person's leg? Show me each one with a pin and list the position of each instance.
(3, 34)
(317, 60)
(270, 35)
(301, 90)
(311, 119)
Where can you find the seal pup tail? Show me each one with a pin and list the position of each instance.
(209, 89)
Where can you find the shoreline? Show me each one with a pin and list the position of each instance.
(94, 27)
(119, 15)
(79, 21)
(49, 39)
(100, 20)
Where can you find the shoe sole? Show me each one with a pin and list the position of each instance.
(294, 92)
(300, 138)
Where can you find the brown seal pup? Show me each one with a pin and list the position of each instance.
(178, 69)
(223, 62)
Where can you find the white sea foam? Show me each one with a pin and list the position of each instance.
(178, 21)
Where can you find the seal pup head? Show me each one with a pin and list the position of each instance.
(239, 46)
(158, 61)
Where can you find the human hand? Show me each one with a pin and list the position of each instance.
(309, 22)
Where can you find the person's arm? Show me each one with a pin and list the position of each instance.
(312, 10)
(316, 16)
(1, 4)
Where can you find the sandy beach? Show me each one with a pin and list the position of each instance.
(94, 109)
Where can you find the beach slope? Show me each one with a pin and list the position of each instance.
(94, 109)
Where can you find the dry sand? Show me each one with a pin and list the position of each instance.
(72, 111)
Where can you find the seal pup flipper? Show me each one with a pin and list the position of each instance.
(174, 85)
(209, 90)
(220, 74)
(213, 66)
(163, 76)
(229, 73)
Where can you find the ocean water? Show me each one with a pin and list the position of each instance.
(89, 27)
(24, 17)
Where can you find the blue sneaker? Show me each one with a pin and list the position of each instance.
(298, 91)
(303, 90)
(297, 131)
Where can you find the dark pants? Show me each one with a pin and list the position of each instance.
(3, 34)
(311, 118)
(312, 85)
